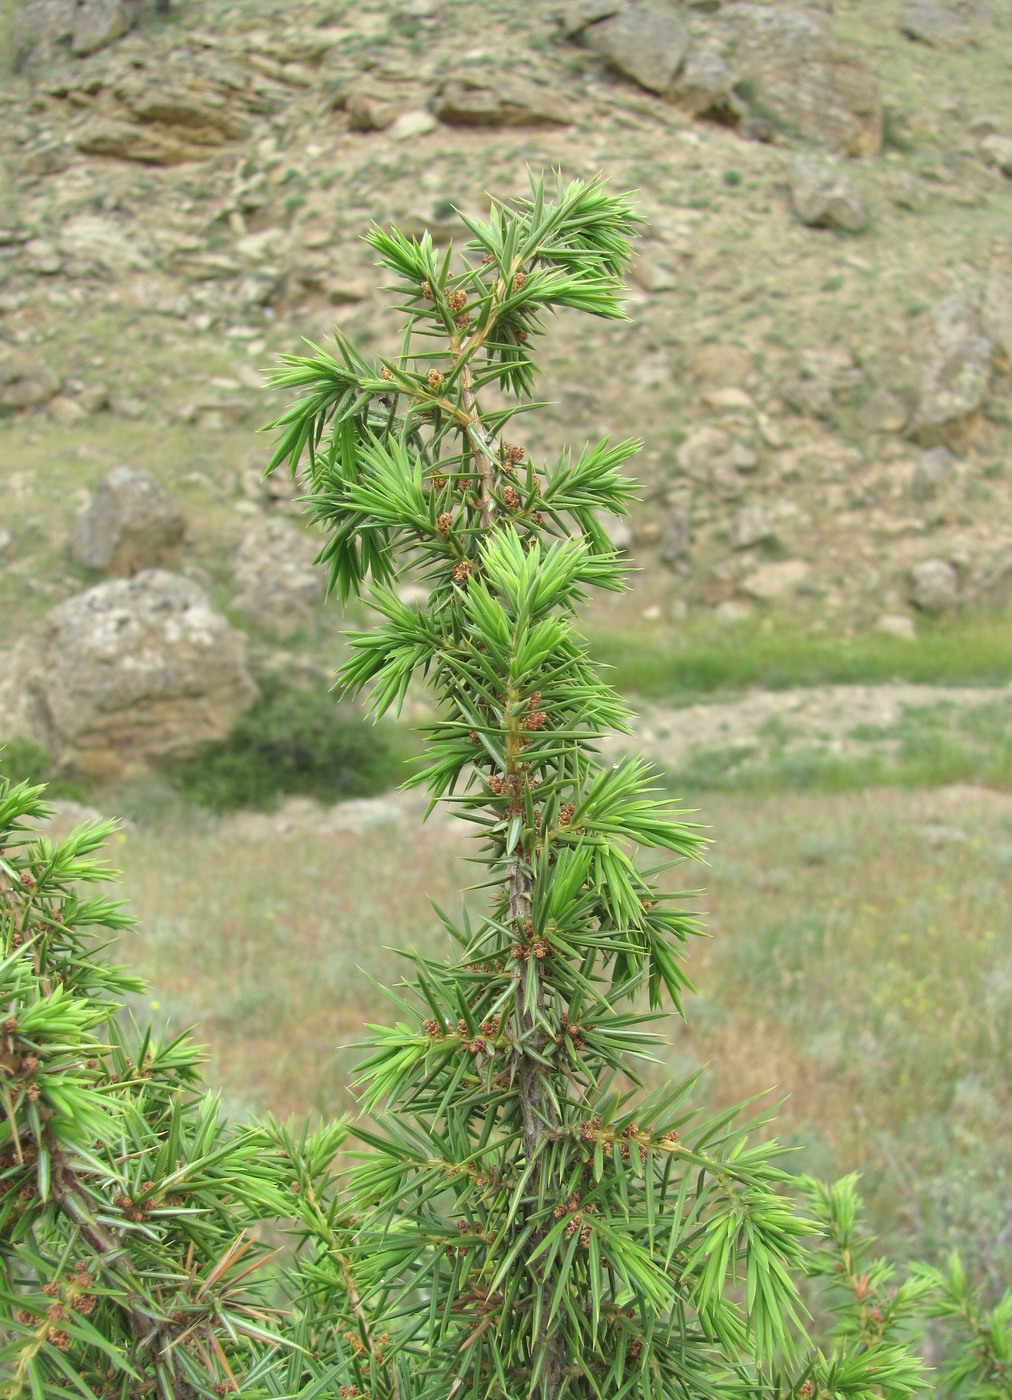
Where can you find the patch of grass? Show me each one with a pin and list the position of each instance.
(706, 660)
(294, 742)
(930, 746)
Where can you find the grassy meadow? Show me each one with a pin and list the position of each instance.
(859, 971)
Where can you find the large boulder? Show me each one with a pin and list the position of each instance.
(128, 525)
(763, 67)
(125, 675)
(647, 41)
(98, 23)
(955, 374)
(790, 68)
(277, 587)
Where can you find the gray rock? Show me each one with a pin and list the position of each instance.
(128, 525)
(646, 40)
(934, 586)
(505, 100)
(127, 674)
(277, 587)
(823, 196)
(931, 473)
(98, 23)
(955, 375)
(25, 378)
(750, 525)
(6, 540)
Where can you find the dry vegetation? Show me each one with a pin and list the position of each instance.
(859, 970)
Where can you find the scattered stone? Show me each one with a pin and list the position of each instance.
(128, 525)
(646, 40)
(771, 582)
(750, 525)
(897, 625)
(955, 375)
(502, 100)
(370, 111)
(716, 457)
(25, 379)
(277, 587)
(931, 473)
(412, 124)
(127, 674)
(823, 196)
(822, 374)
(934, 586)
(6, 539)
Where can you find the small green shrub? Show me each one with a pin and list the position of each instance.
(294, 742)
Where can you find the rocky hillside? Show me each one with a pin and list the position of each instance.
(818, 358)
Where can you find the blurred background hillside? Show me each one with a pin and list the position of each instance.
(819, 362)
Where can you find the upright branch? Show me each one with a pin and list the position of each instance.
(524, 1195)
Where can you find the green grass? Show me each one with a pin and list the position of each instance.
(929, 746)
(707, 660)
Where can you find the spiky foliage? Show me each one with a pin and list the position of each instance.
(530, 1221)
(128, 1212)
